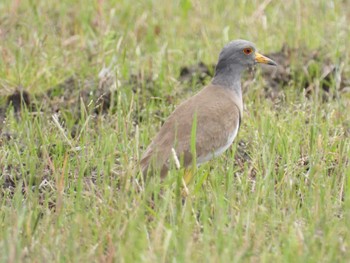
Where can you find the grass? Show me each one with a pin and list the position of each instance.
(79, 198)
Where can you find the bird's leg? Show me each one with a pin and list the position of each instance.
(186, 179)
(188, 176)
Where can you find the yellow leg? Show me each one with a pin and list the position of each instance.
(188, 176)
(186, 180)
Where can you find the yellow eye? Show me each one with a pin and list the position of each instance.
(247, 51)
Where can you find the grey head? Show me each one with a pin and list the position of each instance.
(234, 58)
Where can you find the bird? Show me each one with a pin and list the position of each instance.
(205, 125)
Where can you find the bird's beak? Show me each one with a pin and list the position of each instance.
(265, 60)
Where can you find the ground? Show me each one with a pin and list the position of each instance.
(85, 85)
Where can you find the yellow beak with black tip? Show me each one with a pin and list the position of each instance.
(264, 60)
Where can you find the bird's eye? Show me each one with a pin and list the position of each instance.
(247, 51)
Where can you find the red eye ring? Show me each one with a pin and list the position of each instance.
(248, 51)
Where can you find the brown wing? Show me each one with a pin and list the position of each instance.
(217, 113)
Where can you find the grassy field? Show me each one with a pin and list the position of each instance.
(102, 76)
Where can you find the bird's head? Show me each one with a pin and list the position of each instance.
(241, 54)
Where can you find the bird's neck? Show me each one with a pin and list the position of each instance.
(229, 77)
